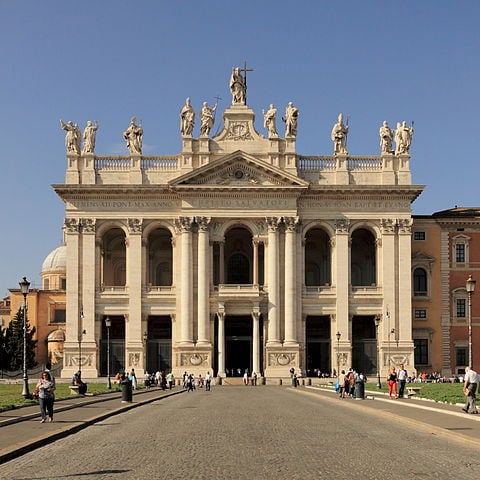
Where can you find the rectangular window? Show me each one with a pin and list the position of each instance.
(63, 284)
(461, 308)
(460, 253)
(59, 316)
(421, 351)
(460, 356)
(420, 313)
(419, 236)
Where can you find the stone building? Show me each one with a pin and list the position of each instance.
(238, 253)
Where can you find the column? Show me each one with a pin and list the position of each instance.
(221, 261)
(221, 341)
(256, 339)
(290, 280)
(203, 281)
(342, 276)
(273, 284)
(184, 227)
(255, 262)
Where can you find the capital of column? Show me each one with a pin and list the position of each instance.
(291, 223)
(134, 225)
(273, 223)
(87, 225)
(183, 224)
(341, 225)
(72, 225)
(203, 223)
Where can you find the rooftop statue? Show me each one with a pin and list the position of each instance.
(403, 138)
(72, 138)
(270, 121)
(339, 137)
(238, 87)
(187, 118)
(89, 137)
(133, 136)
(207, 117)
(291, 120)
(386, 138)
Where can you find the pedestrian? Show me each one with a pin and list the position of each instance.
(392, 383)
(190, 383)
(470, 389)
(402, 380)
(170, 380)
(245, 378)
(133, 378)
(341, 384)
(44, 390)
(208, 381)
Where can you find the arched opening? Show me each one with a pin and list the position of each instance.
(238, 256)
(114, 258)
(363, 255)
(159, 344)
(317, 258)
(317, 338)
(160, 258)
(420, 285)
(117, 346)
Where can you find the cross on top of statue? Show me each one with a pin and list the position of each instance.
(238, 84)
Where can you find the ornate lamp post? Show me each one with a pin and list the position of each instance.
(145, 338)
(24, 288)
(377, 324)
(108, 324)
(470, 289)
(80, 338)
(338, 335)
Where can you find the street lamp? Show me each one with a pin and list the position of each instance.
(24, 286)
(145, 338)
(338, 335)
(470, 289)
(80, 338)
(377, 324)
(108, 324)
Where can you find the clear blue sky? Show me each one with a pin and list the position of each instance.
(111, 59)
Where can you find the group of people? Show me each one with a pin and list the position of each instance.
(159, 379)
(346, 381)
(190, 383)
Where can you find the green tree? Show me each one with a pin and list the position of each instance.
(14, 343)
(3, 352)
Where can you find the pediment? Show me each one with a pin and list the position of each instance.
(239, 169)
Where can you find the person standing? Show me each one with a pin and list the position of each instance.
(208, 381)
(170, 380)
(402, 380)
(133, 378)
(392, 383)
(470, 389)
(46, 398)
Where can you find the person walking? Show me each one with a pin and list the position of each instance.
(133, 378)
(392, 383)
(470, 389)
(402, 380)
(44, 389)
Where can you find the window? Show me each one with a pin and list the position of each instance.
(59, 316)
(460, 356)
(419, 236)
(460, 308)
(420, 282)
(421, 351)
(63, 284)
(420, 313)
(460, 253)
(46, 284)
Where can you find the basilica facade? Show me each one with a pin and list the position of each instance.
(239, 253)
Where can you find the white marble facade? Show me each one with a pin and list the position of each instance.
(238, 253)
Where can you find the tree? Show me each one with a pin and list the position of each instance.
(14, 343)
(3, 352)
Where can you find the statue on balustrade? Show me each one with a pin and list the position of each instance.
(403, 138)
(207, 116)
(339, 137)
(72, 138)
(133, 136)
(386, 138)
(89, 137)
(270, 121)
(187, 118)
(238, 87)
(291, 120)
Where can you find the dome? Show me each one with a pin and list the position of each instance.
(56, 336)
(56, 260)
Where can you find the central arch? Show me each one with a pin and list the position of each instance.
(238, 345)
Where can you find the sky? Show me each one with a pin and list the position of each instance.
(109, 60)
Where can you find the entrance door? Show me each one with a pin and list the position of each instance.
(238, 345)
(159, 344)
(318, 345)
(117, 346)
(364, 353)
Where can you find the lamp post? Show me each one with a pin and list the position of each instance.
(24, 288)
(470, 289)
(108, 324)
(80, 338)
(145, 338)
(377, 324)
(338, 335)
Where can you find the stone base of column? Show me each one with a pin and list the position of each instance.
(87, 363)
(280, 359)
(196, 359)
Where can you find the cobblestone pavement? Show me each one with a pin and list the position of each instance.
(251, 433)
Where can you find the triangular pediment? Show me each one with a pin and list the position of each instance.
(241, 170)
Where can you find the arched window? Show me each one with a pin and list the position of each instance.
(114, 258)
(363, 269)
(238, 256)
(420, 284)
(317, 258)
(160, 264)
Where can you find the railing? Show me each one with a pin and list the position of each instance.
(117, 164)
(316, 163)
(112, 288)
(123, 164)
(159, 289)
(169, 163)
(365, 164)
(313, 164)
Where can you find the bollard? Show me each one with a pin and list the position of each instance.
(126, 391)
(359, 392)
